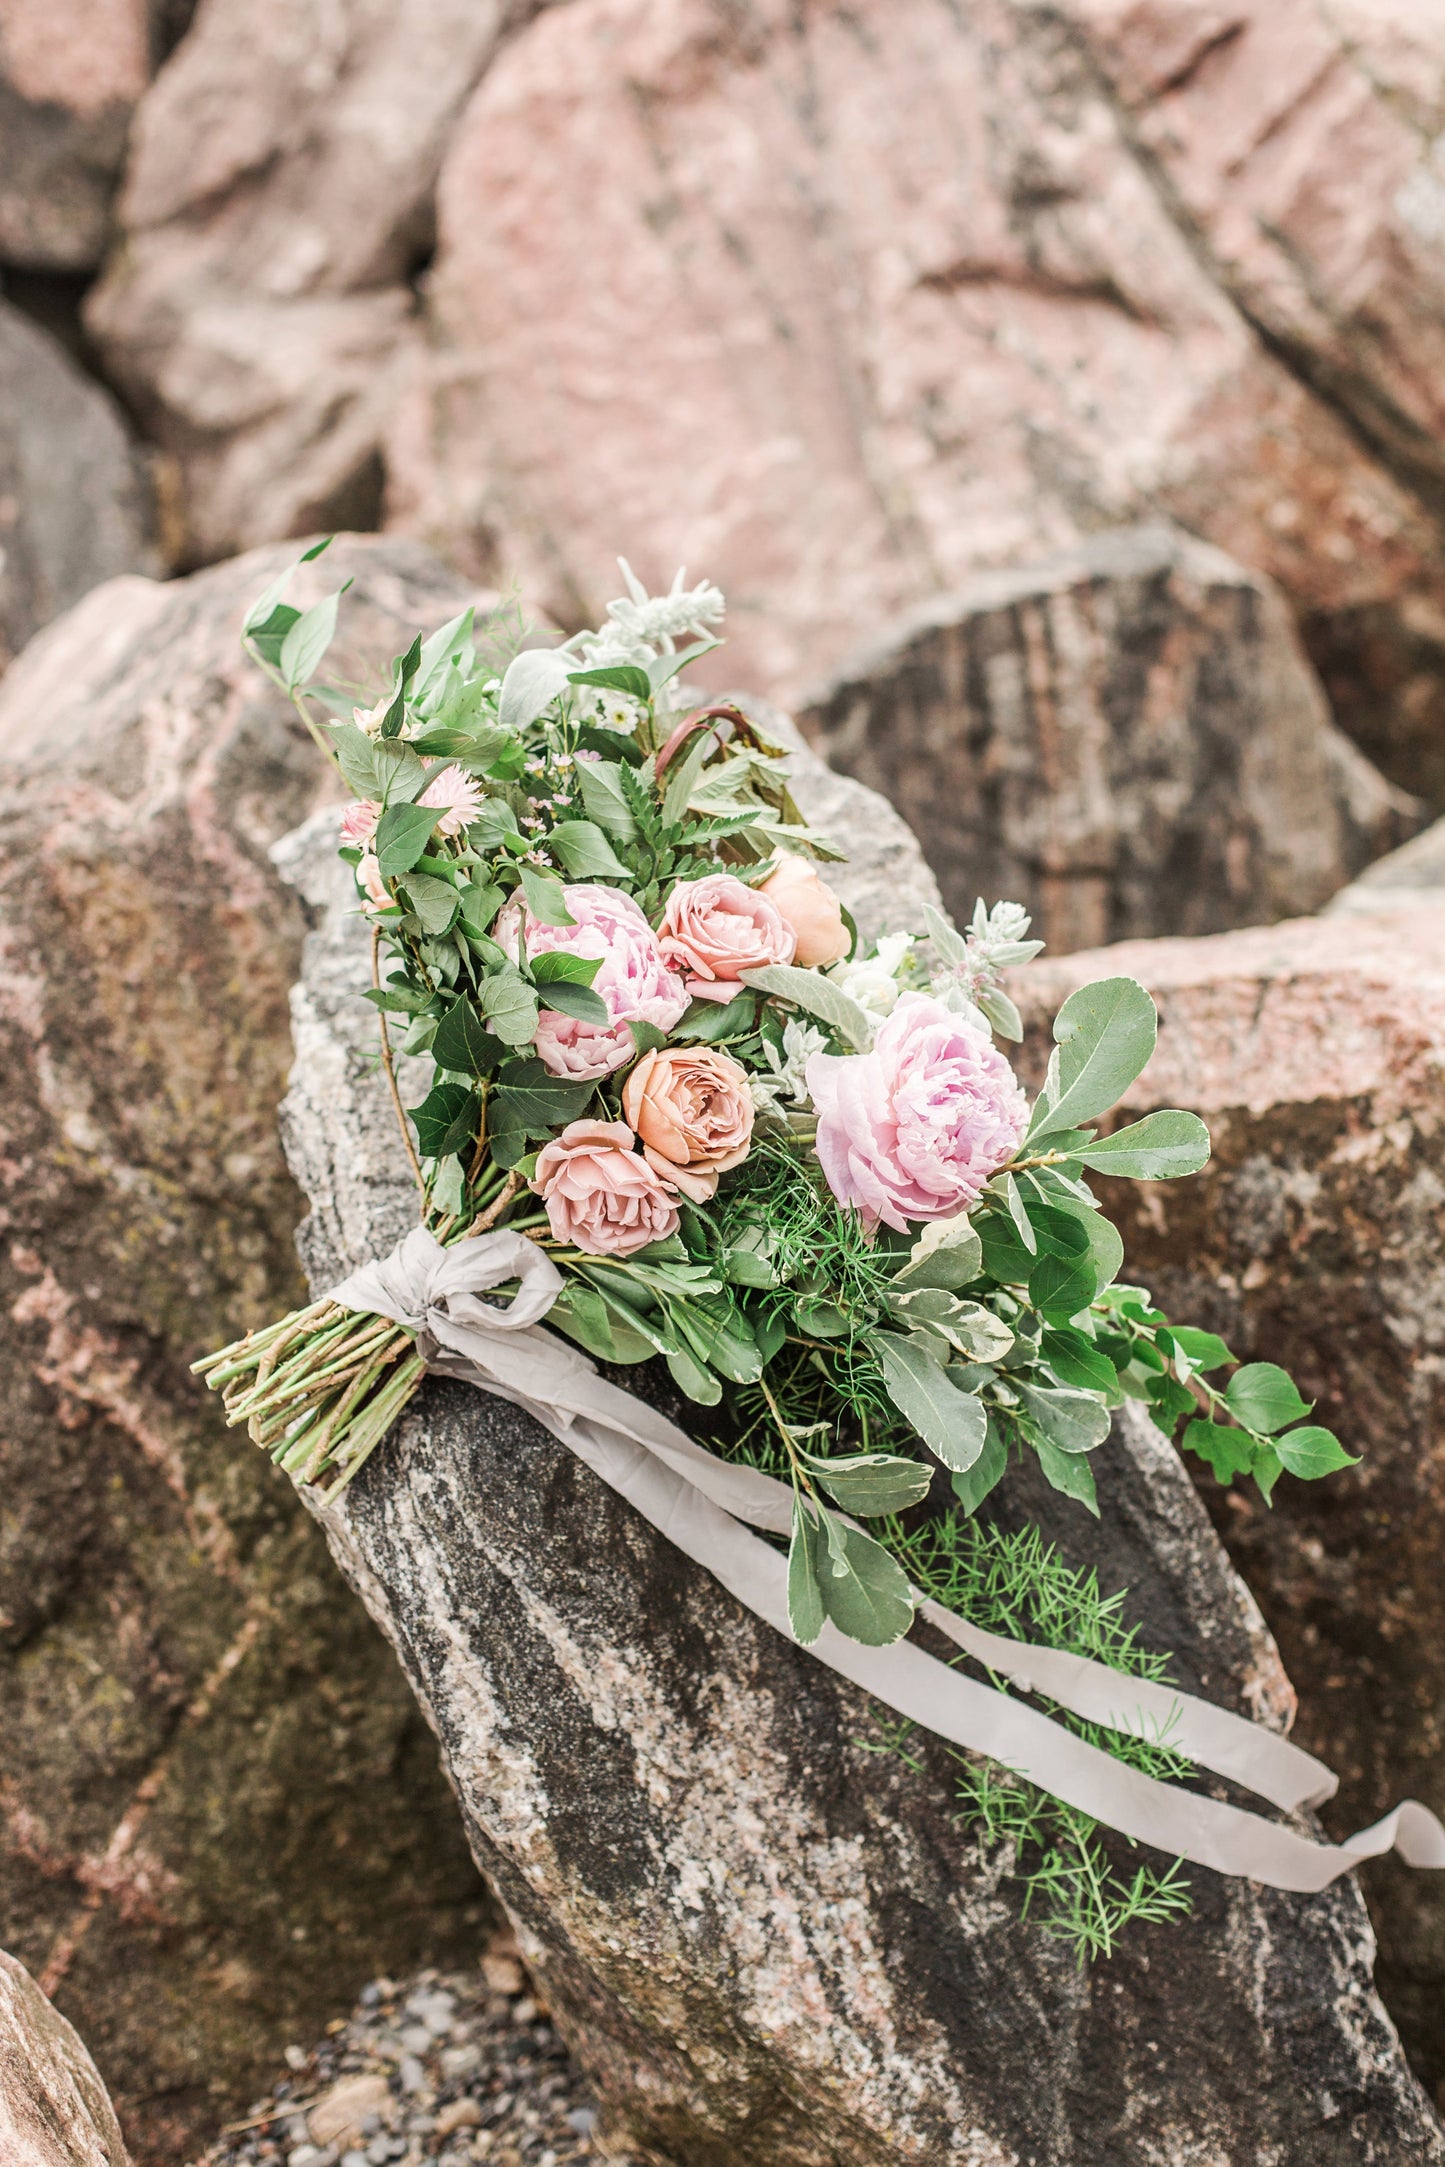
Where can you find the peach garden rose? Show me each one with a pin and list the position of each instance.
(806, 903)
(693, 1112)
(601, 1195)
(717, 926)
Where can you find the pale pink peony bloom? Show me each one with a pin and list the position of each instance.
(358, 822)
(693, 1113)
(457, 795)
(915, 1128)
(635, 980)
(601, 1195)
(718, 926)
(809, 906)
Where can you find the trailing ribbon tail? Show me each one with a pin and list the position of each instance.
(705, 1507)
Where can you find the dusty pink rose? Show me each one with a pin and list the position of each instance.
(601, 1195)
(457, 797)
(358, 822)
(692, 1110)
(809, 906)
(636, 981)
(915, 1128)
(718, 926)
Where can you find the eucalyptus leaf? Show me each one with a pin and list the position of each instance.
(951, 1423)
(1105, 1034)
(818, 995)
(1161, 1147)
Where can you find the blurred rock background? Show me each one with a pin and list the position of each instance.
(1057, 390)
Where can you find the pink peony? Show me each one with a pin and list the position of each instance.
(718, 926)
(358, 822)
(635, 981)
(458, 797)
(915, 1128)
(601, 1195)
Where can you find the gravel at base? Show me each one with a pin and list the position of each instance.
(462, 2067)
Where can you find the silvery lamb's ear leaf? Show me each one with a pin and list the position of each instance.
(532, 682)
(1105, 1034)
(1161, 1147)
(1001, 1012)
(805, 1597)
(950, 943)
(819, 995)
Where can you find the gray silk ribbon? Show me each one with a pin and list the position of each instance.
(705, 1506)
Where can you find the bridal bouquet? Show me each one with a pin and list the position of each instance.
(792, 1165)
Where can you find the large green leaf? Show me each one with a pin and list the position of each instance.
(434, 901)
(1161, 1147)
(865, 1591)
(510, 1007)
(947, 1254)
(1228, 1451)
(1264, 1397)
(545, 900)
(818, 995)
(1071, 1421)
(988, 1470)
(1310, 1452)
(355, 758)
(307, 641)
(463, 1043)
(586, 852)
(446, 1119)
(600, 784)
(951, 1423)
(402, 834)
(1069, 1472)
(617, 677)
(1105, 1034)
(870, 1483)
(532, 682)
(805, 1597)
(538, 1099)
(1062, 1286)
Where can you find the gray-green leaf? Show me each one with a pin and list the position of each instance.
(1161, 1147)
(1069, 1472)
(586, 852)
(600, 784)
(864, 1591)
(307, 641)
(1072, 1421)
(510, 1007)
(947, 1254)
(870, 1483)
(987, 1471)
(532, 682)
(434, 901)
(950, 1422)
(805, 1597)
(1105, 1034)
(812, 991)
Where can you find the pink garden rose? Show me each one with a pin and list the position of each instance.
(718, 926)
(915, 1128)
(636, 981)
(601, 1195)
(807, 904)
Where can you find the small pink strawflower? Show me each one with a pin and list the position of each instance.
(601, 1195)
(718, 926)
(358, 822)
(458, 793)
(635, 980)
(915, 1128)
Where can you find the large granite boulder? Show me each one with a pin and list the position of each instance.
(276, 214)
(854, 302)
(219, 1812)
(1127, 739)
(769, 1944)
(1316, 1052)
(1409, 878)
(54, 2110)
(69, 79)
(74, 498)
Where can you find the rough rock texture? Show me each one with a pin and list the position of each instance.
(278, 206)
(54, 2110)
(219, 1812)
(1316, 1051)
(1127, 739)
(845, 303)
(70, 74)
(769, 1946)
(1408, 879)
(74, 504)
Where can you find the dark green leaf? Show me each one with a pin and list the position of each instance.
(573, 1000)
(713, 1020)
(463, 1043)
(600, 784)
(617, 677)
(434, 901)
(1311, 1452)
(268, 634)
(1075, 1360)
(1228, 1451)
(446, 1119)
(556, 965)
(1062, 1286)
(402, 834)
(1072, 1421)
(1004, 1255)
(1264, 1397)
(1205, 1350)
(646, 1037)
(538, 1099)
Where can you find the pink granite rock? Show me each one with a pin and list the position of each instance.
(54, 2109)
(1316, 1052)
(847, 304)
(70, 74)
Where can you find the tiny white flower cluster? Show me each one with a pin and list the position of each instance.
(873, 981)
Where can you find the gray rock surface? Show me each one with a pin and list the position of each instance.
(768, 1945)
(1410, 878)
(54, 2110)
(219, 1811)
(69, 79)
(1126, 738)
(74, 497)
